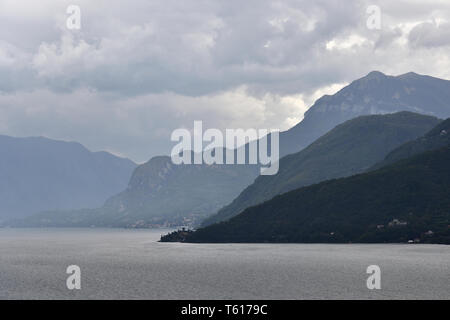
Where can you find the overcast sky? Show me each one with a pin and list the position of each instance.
(138, 69)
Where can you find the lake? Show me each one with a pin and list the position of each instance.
(131, 264)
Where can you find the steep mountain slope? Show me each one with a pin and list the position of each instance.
(407, 200)
(350, 148)
(159, 194)
(161, 191)
(41, 174)
(436, 138)
(375, 93)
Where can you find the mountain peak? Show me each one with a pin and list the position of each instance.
(409, 75)
(375, 74)
(370, 79)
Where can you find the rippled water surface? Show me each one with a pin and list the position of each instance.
(131, 264)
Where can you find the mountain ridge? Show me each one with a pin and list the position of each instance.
(438, 137)
(401, 202)
(349, 148)
(375, 93)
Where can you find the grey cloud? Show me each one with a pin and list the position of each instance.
(190, 52)
(134, 72)
(387, 36)
(430, 34)
(200, 47)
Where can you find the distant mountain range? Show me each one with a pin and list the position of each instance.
(39, 174)
(160, 193)
(349, 148)
(408, 200)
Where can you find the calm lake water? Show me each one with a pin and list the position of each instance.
(131, 264)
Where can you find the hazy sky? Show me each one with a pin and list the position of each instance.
(138, 69)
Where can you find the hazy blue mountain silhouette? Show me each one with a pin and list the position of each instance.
(41, 174)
